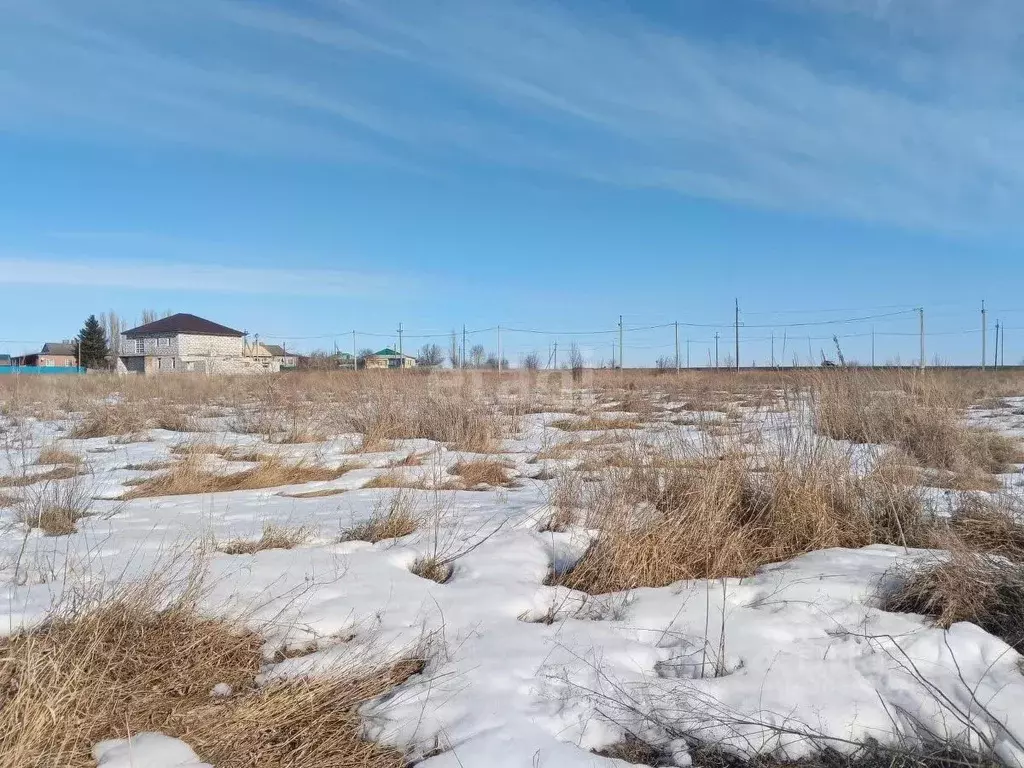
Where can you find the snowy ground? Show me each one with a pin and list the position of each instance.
(800, 650)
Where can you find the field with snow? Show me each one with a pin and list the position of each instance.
(540, 570)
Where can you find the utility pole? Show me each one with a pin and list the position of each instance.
(984, 332)
(621, 356)
(995, 357)
(556, 354)
(716, 350)
(677, 346)
(400, 342)
(687, 353)
(355, 359)
(737, 334)
(463, 360)
(920, 314)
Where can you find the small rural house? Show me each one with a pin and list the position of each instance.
(53, 355)
(5, 361)
(388, 358)
(187, 343)
(281, 355)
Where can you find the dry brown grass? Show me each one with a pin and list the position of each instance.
(189, 476)
(392, 479)
(979, 588)
(433, 568)
(108, 419)
(123, 668)
(60, 472)
(676, 520)
(6, 500)
(921, 418)
(483, 472)
(595, 423)
(408, 407)
(392, 518)
(52, 454)
(273, 537)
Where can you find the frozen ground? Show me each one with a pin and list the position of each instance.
(520, 673)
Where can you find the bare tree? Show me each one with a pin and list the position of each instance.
(576, 362)
(531, 361)
(477, 356)
(492, 362)
(665, 363)
(453, 350)
(431, 355)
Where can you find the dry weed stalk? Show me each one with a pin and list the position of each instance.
(273, 537)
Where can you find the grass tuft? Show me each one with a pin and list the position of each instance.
(124, 667)
(273, 537)
(393, 518)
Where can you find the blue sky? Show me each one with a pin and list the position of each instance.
(306, 168)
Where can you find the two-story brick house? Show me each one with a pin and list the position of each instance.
(187, 343)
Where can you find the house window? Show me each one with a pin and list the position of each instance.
(140, 346)
(163, 342)
(47, 363)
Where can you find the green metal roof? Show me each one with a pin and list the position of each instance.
(386, 352)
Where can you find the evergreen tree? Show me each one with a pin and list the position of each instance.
(92, 344)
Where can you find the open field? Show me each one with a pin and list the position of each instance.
(460, 569)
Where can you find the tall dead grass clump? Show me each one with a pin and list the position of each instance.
(455, 414)
(55, 507)
(106, 419)
(919, 416)
(135, 663)
(392, 518)
(981, 588)
(672, 520)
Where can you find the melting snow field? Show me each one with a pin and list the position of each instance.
(519, 673)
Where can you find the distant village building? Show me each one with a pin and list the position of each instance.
(187, 343)
(53, 355)
(282, 357)
(389, 358)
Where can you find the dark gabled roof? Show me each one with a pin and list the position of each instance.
(183, 323)
(275, 350)
(63, 348)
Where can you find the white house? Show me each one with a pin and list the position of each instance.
(184, 343)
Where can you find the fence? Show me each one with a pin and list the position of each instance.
(32, 370)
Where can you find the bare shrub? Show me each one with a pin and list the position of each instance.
(126, 666)
(979, 588)
(392, 518)
(273, 537)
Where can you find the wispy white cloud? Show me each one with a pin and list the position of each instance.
(900, 112)
(180, 277)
